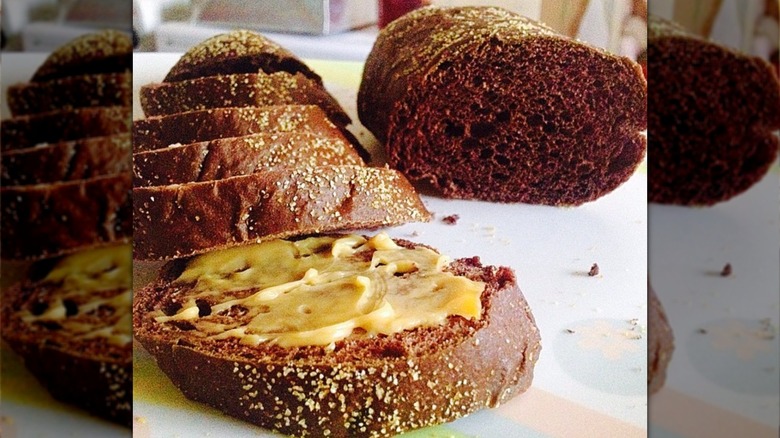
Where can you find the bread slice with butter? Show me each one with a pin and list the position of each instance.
(70, 322)
(339, 335)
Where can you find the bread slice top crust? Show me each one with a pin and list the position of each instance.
(107, 51)
(240, 51)
(362, 385)
(185, 219)
(88, 90)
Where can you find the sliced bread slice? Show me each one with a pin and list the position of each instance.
(109, 89)
(185, 219)
(345, 376)
(233, 156)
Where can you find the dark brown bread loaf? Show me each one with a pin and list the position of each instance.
(67, 161)
(110, 89)
(487, 104)
(48, 220)
(233, 156)
(107, 51)
(240, 51)
(63, 125)
(237, 90)
(186, 219)
(196, 126)
(660, 343)
(713, 113)
(365, 386)
(77, 342)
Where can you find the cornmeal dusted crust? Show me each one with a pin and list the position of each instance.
(240, 51)
(714, 110)
(660, 343)
(67, 161)
(233, 156)
(487, 104)
(47, 220)
(185, 219)
(107, 51)
(365, 387)
(238, 90)
(109, 89)
(63, 125)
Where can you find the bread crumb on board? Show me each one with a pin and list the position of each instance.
(451, 219)
(594, 270)
(726, 271)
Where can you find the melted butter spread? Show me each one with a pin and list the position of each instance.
(92, 295)
(319, 290)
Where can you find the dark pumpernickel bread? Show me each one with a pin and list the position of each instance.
(67, 161)
(660, 343)
(48, 220)
(196, 126)
(109, 89)
(107, 51)
(240, 51)
(63, 125)
(366, 386)
(77, 343)
(237, 90)
(714, 110)
(186, 219)
(233, 156)
(487, 104)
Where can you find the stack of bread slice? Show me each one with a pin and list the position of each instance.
(66, 217)
(272, 306)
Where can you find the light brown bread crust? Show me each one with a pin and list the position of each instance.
(48, 220)
(107, 51)
(234, 156)
(240, 51)
(63, 125)
(67, 161)
(109, 89)
(483, 103)
(660, 343)
(92, 374)
(196, 126)
(186, 219)
(238, 90)
(366, 387)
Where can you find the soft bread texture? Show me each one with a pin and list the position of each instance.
(366, 386)
(660, 343)
(237, 90)
(110, 89)
(48, 220)
(234, 156)
(486, 104)
(63, 125)
(185, 219)
(107, 51)
(67, 161)
(714, 110)
(196, 126)
(240, 51)
(93, 374)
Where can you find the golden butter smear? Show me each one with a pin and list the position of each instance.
(84, 274)
(319, 290)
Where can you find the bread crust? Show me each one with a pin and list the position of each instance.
(240, 51)
(67, 161)
(64, 125)
(109, 89)
(186, 219)
(365, 387)
(486, 104)
(238, 90)
(107, 51)
(234, 156)
(660, 343)
(38, 220)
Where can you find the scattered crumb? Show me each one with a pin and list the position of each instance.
(594, 270)
(414, 233)
(767, 330)
(726, 270)
(569, 330)
(633, 321)
(451, 219)
(702, 331)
